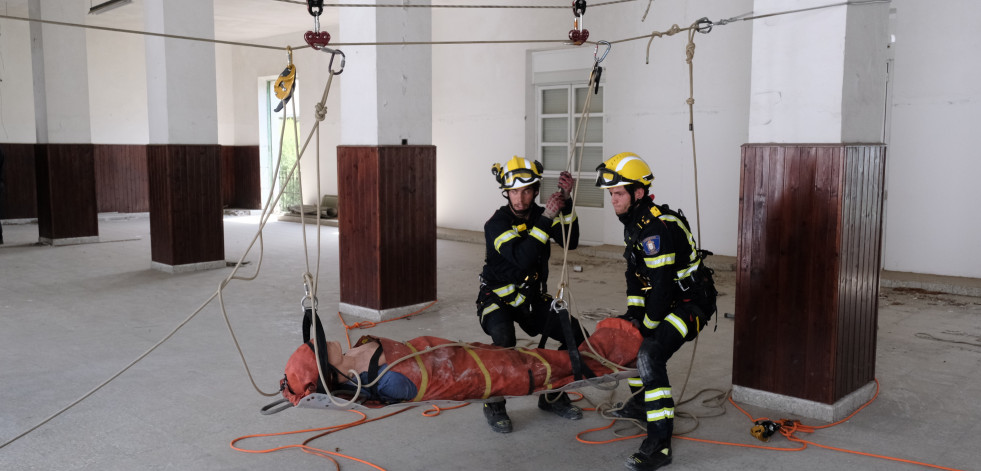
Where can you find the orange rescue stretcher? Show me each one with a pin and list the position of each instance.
(445, 371)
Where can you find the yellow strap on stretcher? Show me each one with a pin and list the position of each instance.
(548, 367)
(423, 374)
(483, 369)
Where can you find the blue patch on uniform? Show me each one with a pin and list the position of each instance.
(651, 245)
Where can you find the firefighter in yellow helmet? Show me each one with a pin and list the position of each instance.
(670, 297)
(514, 280)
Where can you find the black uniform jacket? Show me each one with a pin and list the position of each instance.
(660, 251)
(518, 249)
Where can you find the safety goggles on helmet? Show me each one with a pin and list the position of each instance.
(606, 178)
(517, 173)
(623, 169)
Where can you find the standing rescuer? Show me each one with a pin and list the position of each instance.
(670, 296)
(514, 280)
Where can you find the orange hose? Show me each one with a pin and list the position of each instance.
(788, 428)
(370, 324)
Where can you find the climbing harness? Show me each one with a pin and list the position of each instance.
(316, 39)
(578, 34)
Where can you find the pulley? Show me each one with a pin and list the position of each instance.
(578, 34)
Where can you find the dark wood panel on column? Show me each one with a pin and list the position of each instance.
(122, 181)
(241, 185)
(66, 201)
(186, 224)
(861, 254)
(807, 278)
(387, 221)
(19, 197)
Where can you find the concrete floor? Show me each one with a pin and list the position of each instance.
(73, 316)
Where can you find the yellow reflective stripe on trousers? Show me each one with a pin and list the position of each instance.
(487, 310)
(663, 260)
(539, 234)
(660, 414)
(678, 324)
(518, 300)
(504, 237)
(635, 382)
(423, 374)
(650, 324)
(635, 301)
(505, 290)
(548, 367)
(483, 369)
(655, 394)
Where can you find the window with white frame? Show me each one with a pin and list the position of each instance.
(560, 110)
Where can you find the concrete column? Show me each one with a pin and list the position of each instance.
(183, 158)
(64, 156)
(386, 165)
(818, 76)
(386, 91)
(806, 307)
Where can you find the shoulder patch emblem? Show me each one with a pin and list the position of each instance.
(651, 245)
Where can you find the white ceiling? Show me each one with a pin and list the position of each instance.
(235, 20)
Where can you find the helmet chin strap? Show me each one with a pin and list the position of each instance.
(521, 214)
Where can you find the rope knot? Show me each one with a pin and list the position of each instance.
(690, 101)
(320, 112)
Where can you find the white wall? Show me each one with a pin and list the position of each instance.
(479, 112)
(934, 157)
(647, 113)
(479, 115)
(117, 88)
(479, 104)
(16, 79)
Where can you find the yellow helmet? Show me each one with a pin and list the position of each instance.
(623, 169)
(517, 173)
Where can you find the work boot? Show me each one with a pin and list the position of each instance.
(632, 409)
(652, 455)
(560, 405)
(497, 417)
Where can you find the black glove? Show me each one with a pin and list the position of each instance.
(634, 315)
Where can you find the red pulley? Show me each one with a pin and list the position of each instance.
(317, 40)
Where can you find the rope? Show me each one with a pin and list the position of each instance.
(264, 218)
(742, 17)
(400, 5)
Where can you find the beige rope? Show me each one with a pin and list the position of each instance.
(399, 5)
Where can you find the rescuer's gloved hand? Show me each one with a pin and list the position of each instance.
(554, 205)
(635, 314)
(566, 183)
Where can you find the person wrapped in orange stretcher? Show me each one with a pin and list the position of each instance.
(456, 371)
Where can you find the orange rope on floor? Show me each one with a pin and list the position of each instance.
(436, 410)
(325, 431)
(370, 324)
(788, 428)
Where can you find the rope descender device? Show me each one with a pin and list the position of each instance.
(308, 301)
(316, 39)
(597, 70)
(284, 83)
(578, 34)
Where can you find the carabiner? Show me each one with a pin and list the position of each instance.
(333, 53)
(558, 304)
(595, 51)
(704, 25)
(313, 302)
